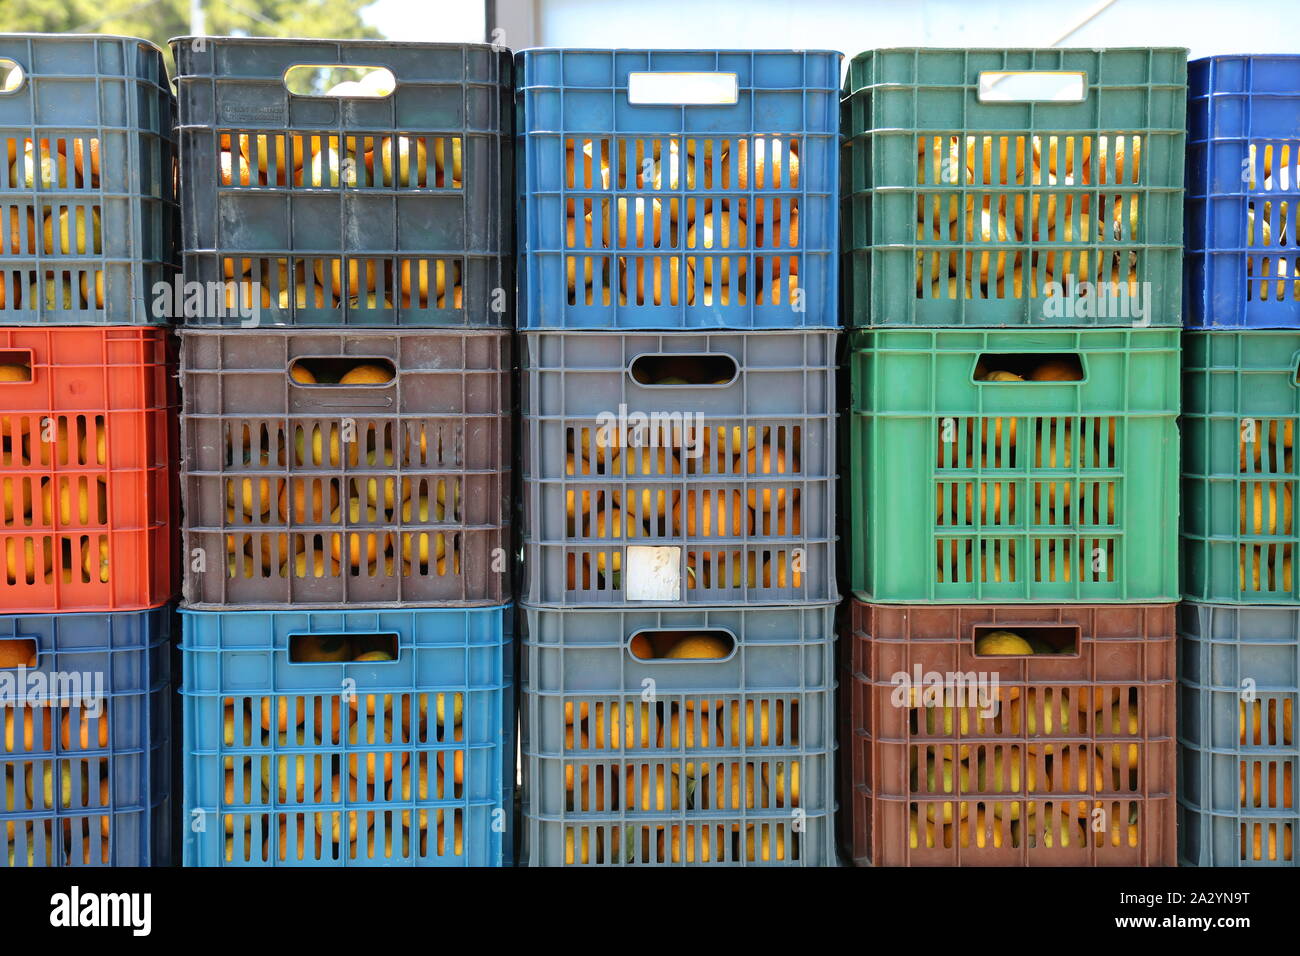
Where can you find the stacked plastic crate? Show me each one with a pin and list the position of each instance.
(678, 299)
(1012, 225)
(346, 365)
(87, 426)
(1239, 666)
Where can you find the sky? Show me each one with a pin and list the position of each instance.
(453, 21)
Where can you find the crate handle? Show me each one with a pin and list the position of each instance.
(682, 89)
(308, 79)
(10, 651)
(342, 371)
(1032, 86)
(692, 369)
(693, 645)
(1064, 640)
(339, 648)
(1029, 368)
(14, 365)
(14, 76)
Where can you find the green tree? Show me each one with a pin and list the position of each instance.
(159, 20)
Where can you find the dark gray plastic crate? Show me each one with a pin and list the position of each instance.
(739, 524)
(407, 247)
(1239, 754)
(649, 777)
(319, 495)
(98, 114)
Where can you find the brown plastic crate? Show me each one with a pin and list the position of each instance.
(321, 495)
(1014, 778)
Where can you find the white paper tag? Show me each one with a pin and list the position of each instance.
(652, 574)
(682, 89)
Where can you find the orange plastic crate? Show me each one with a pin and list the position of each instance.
(88, 507)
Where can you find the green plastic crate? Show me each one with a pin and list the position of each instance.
(1239, 418)
(964, 491)
(949, 221)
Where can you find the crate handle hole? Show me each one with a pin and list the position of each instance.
(343, 648)
(15, 367)
(360, 372)
(12, 76)
(711, 645)
(1029, 367)
(340, 80)
(17, 652)
(667, 370)
(1032, 86)
(1019, 640)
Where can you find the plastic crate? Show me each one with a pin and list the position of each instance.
(1240, 408)
(92, 712)
(688, 189)
(664, 785)
(1243, 162)
(927, 439)
(1077, 174)
(422, 461)
(1239, 754)
(716, 520)
(347, 239)
(357, 781)
(84, 243)
(949, 768)
(89, 511)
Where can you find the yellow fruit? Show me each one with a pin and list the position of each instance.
(366, 375)
(621, 729)
(1000, 376)
(84, 723)
(770, 724)
(696, 843)
(1001, 642)
(17, 652)
(404, 161)
(1057, 370)
(302, 374)
(71, 235)
(699, 647)
(666, 793)
(15, 373)
(41, 161)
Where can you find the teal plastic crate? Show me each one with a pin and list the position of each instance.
(965, 490)
(1239, 478)
(986, 187)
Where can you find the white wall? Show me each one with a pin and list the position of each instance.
(1204, 26)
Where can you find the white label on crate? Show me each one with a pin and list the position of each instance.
(1053, 86)
(652, 574)
(682, 89)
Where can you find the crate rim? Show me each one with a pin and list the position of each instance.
(355, 43)
(72, 37)
(679, 51)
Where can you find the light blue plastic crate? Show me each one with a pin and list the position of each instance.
(600, 131)
(104, 679)
(678, 761)
(1243, 188)
(354, 782)
(1238, 753)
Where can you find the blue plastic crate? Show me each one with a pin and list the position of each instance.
(93, 715)
(1243, 187)
(1239, 753)
(677, 136)
(678, 760)
(355, 781)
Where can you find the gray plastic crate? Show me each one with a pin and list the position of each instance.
(412, 245)
(737, 500)
(89, 211)
(422, 463)
(678, 761)
(1239, 753)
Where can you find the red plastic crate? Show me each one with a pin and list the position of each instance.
(1046, 771)
(88, 507)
